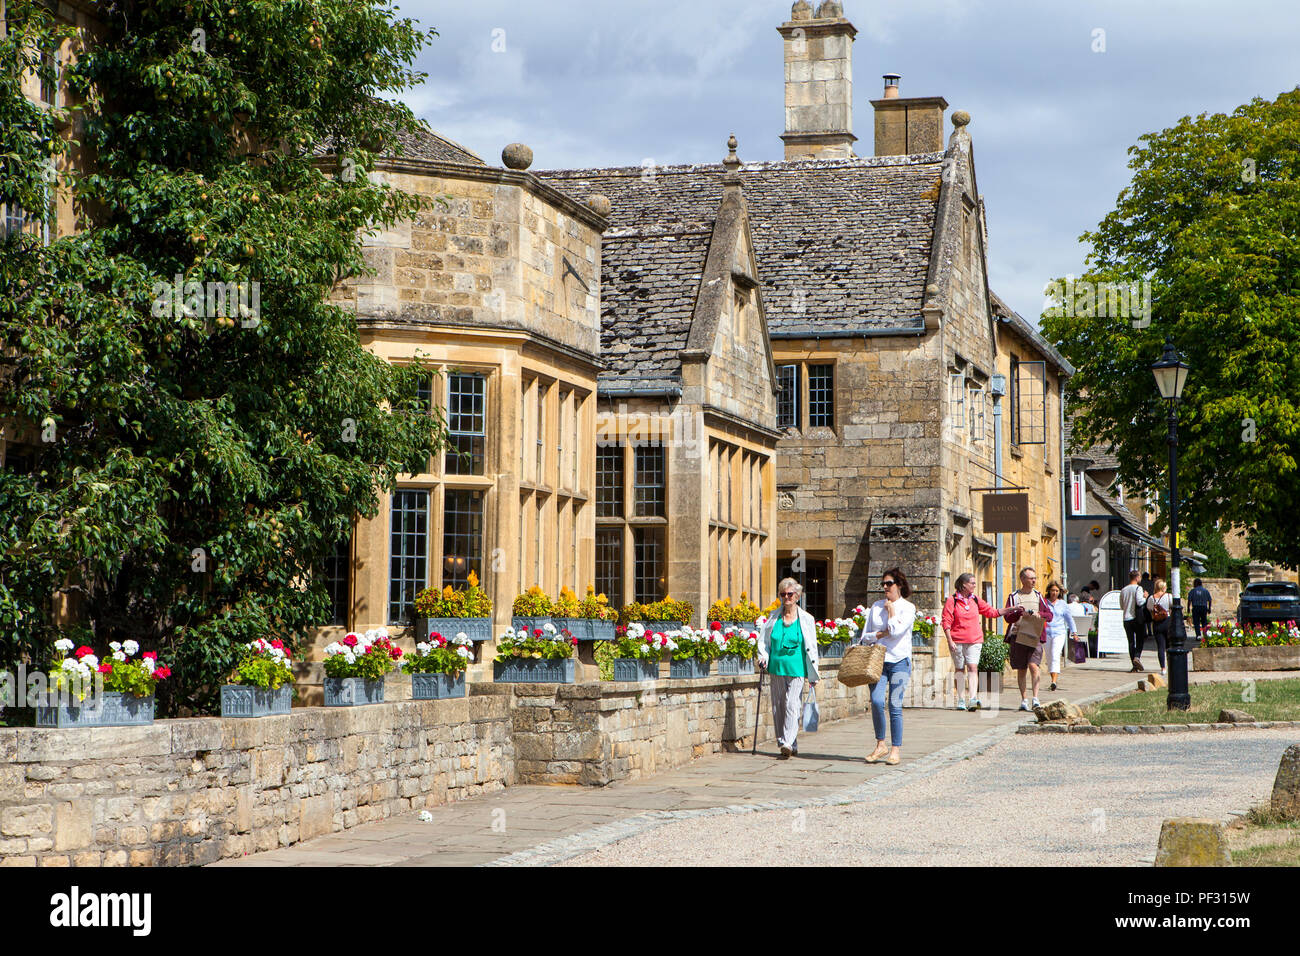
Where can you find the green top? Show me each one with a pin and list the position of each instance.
(786, 652)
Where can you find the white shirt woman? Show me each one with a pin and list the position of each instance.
(1059, 628)
(898, 629)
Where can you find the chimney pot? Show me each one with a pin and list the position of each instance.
(891, 85)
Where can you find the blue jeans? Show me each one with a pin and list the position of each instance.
(893, 680)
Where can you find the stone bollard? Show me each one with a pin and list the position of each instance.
(1286, 786)
(1192, 841)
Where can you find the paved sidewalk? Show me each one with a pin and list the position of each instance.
(543, 824)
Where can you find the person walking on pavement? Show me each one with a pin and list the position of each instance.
(787, 648)
(1130, 600)
(1058, 631)
(1023, 657)
(1143, 614)
(1159, 606)
(961, 623)
(889, 622)
(1201, 604)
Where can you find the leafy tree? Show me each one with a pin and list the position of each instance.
(1211, 219)
(192, 464)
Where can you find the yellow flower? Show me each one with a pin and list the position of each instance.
(473, 579)
(447, 591)
(601, 599)
(744, 596)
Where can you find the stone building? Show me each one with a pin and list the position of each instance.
(497, 285)
(873, 280)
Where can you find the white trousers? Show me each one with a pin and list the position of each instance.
(787, 708)
(1055, 649)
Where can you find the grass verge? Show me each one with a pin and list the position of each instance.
(1273, 700)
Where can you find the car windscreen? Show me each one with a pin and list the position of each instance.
(1281, 589)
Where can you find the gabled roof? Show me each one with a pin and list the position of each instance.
(1009, 316)
(1103, 457)
(649, 281)
(843, 246)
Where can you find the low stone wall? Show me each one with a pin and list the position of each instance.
(1225, 595)
(596, 733)
(1279, 658)
(192, 791)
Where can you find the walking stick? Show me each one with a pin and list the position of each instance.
(758, 710)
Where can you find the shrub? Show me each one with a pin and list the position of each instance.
(595, 607)
(120, 673)
(566, 605)
(635, 641)
(993, 658)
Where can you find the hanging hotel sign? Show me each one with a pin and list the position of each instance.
(1006, 513)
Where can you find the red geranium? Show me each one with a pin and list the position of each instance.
(395, 653)
(537, 632)
(106, 668)
(82, 651)
(434, 637)
(150, 655)
(573, 641)
(350, 640)
(162, 673)
(715, 626)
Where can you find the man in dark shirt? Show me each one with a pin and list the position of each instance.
(1200, 601)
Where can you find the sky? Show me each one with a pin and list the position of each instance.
(1054, 104)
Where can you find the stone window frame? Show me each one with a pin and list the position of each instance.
(737, 536)
(803, 397)
(627, 524)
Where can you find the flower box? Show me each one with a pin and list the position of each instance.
(437, 686)
(1259, 658)
(109, 709)
(240, 700)
(662, 627)
(601, 630)
(475, 628)
(585, 629)
(749, 627)
(688, 668)
(352, 691)
(833, 649)
(533, 623)
(733, 665)
(636, 668)
(535, 670)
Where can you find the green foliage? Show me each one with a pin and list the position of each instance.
(263, 664)
(566, 605)
(1219, 563)
(1272, 634)
(842, 629)
(1210, 218)
(469, 601)
(368, 656)
(691, 643)
(439, 656)
(191, 472)
(740, 644)
(634, 641)
(665, 610)
(994, 654)
(605, 653)
(595, 607)
(532, 603)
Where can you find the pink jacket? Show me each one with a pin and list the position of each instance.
(961, 618)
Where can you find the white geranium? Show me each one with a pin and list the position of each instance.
(131, 648)
(462, 651)
(636, 630)
(422, 648)
(149, 664)
(63, 644)
(91, 661)
(462, 637)
(119, 655)
(114, 646)
(549, 628)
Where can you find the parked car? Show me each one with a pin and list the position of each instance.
(1269, 601)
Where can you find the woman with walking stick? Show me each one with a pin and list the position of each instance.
(787, 648)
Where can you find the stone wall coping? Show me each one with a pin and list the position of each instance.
(185, 734)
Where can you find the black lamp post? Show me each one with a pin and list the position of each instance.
(1171, 374)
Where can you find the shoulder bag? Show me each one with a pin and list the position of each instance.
(862, 664)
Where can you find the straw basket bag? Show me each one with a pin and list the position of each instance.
(862, 664)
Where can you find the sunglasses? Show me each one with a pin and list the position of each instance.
(790, 594)
(888, 584)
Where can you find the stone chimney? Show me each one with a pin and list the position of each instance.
(818, 82)
(907, 125)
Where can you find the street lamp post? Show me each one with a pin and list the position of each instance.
(1171, 374)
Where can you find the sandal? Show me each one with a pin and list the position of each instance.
(894, 760)
(877, 755)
